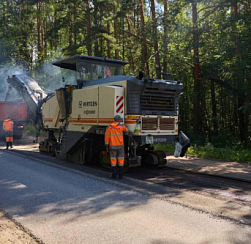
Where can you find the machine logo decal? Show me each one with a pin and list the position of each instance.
(119, 104)
(92, 104)
(89, 112)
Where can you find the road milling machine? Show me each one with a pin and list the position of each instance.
(77, 116)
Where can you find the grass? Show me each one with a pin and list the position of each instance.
(209, 151)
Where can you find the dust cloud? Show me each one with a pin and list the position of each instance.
(6, 71)
(48, 76)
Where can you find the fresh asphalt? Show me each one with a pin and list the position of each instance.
(62, 205)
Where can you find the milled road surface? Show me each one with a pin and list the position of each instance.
(230, 198)
(200, 183)
(62, 206)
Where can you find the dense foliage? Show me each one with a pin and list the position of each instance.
(235, 154)
(207, 44)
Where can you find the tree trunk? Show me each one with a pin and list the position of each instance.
(242, 122)
(38, 29)
(100, 26)
(70, 25)
(214, 110)
(243, 130)
(116, 30)
(21, 51)
(74, 24)
(108, 31)
(55, 41)
(89, 46)
(196, 111)
(134, 16)
(165, 37)
(42, 28)
(95, 31)
(44, 32)
(155, 42)
(123, 37)
(143, 43)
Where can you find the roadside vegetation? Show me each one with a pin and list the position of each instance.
(229, 154)
(235, 154)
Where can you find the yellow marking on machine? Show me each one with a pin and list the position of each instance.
(132, 116)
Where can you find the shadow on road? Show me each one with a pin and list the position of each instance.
(96, 200)
(77, 197)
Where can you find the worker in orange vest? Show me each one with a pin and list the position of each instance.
(8, 128)
(115, 143)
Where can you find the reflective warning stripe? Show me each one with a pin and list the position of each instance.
(116, 135)
(119, 104)
(9, 139)
(91, 120)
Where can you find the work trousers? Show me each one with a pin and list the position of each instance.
(9, 136)
(117, 155)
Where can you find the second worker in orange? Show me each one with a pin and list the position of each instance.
(8, 128)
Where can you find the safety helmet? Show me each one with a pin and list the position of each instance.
(117, 117)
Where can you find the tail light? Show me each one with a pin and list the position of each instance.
(20, 126)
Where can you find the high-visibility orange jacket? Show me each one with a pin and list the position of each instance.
(114, 135)
(8, 125)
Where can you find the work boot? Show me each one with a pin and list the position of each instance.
(11, 145)
(114, 172)
(121, 172)
(7, 145)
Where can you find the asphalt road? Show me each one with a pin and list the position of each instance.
(239, 192)
(62, 206)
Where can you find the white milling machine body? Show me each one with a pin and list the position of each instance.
(79, 115)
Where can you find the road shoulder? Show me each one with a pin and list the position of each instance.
(11, 232)
(219, 168)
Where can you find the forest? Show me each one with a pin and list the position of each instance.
(204, 44)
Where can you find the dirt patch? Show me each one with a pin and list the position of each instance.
(11, 232)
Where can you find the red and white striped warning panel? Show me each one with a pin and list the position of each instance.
(119, 104)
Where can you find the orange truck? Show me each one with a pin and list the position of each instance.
(17, 111)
